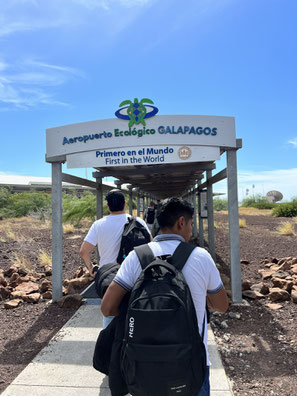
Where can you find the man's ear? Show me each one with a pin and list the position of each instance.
(181, 222)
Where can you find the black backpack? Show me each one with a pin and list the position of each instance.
(163, 352)
(134, 234)
(150, 216)
(104, 276)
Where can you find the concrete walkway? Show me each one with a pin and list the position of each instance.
(64, 367)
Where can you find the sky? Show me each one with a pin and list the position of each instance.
(70, 61)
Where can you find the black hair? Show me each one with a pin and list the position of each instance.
(116, 200)
(172, 209)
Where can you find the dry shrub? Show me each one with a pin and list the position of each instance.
(242, 223)
(68, 228)
(11, 235)
(74, 237)
(254, 211)
(22, 261)
(85, 224)
(18, 237)
(286, 229)
(45, 259)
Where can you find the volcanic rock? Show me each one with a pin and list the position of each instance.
(254, 295)
(29, 278)
(18, 294)
(12, 304)
(79, 272)
(45, 285)
(27, 287)
(244, 262)
(293, 269)
(261, 287)
(277, 294)
(11, 270)
(70, 301)
(15, 280)
(285, 266)
(47, 270)
(226, 281)
(274, 306)
(47, 295)
(280, 274)
(32, 298)
(282, 284)
(3, 281)
(246, 285)
(4, 292)
(294, 296)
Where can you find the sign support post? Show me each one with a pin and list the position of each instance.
(211, 239)
(57, 230)
(234, 240)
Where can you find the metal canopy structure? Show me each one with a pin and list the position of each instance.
(160, 181)
(170, 156)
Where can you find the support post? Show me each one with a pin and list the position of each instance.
(57, 231)
(211, 237)
(195, 212)
(234, 241)
(130, 199)
(200, 224)
(138, 203)
(99, 198)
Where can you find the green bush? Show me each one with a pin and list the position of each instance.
(4, 197)
(32, 202)
(285, 209)
(252, 201)
(75, 208)
(220, 204)
(21, 204)
(264, 205)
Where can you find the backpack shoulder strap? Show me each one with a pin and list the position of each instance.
(129, 225)
(181, 255)
(145, 255)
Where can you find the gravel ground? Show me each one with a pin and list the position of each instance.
(258, 345)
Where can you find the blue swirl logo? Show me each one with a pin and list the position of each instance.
(136, 112)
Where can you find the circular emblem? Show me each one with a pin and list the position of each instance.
(137, 111)
(184, 152)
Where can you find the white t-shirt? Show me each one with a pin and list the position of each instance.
(200, 272)
(106, 233)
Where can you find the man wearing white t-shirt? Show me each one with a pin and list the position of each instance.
(106, 233)
(175, 220)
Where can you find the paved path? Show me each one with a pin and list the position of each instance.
(64, 367)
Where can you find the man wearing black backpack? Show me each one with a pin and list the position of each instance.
(106, 233)
(204, 283)
(149, 215)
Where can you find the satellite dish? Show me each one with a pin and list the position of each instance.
(274, 196)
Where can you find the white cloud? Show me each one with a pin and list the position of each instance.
(293, 142)
(108, 4)
(8, 27)
(27, 83)
(283, 180)
(66, 69)
(32, 15)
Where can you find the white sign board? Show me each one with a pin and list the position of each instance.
(142, 155)
(171, 130)
(203, 204)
